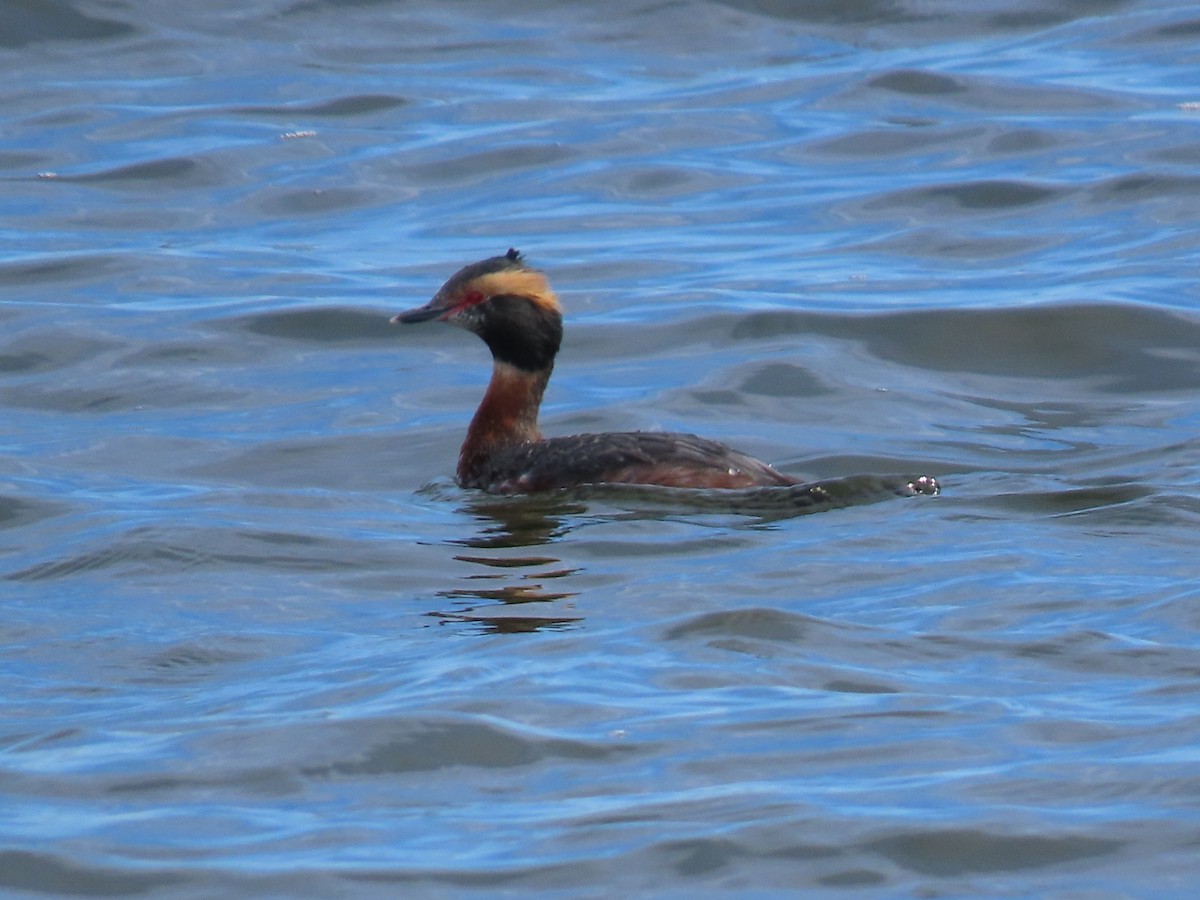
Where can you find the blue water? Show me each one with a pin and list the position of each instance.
(256, 643)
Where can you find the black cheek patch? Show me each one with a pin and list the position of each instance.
(521, 334)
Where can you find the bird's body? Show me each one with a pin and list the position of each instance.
(512, 308)
(615, 457)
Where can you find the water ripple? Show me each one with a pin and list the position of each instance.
(257, 642)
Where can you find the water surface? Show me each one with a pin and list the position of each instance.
(256, 642)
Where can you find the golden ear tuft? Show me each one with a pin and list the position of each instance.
(525, 283)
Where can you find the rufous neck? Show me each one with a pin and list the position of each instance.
(507, 415)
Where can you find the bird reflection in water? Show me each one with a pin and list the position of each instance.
(536, 520)
(510, 586)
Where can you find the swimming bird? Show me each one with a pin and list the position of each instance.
(512, 307)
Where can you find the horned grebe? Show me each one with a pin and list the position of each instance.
(511, 306)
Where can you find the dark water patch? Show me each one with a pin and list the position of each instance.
(357, 105)
(1110, 783)
(764, 504)
(287, 202)
(67, 876)
(1022, 140)
(1184, 31)
(342, 462)
(1159, 510)
(700, 856)
(853, 878)
(67, 371)
(1184, 154)
(1136, 188)
(783, 380)
(417, 743)
(180, 354)
(543, 875)
(1073, 653)
(1051, 414)
(768, 633)
(44, 350)
(658, 183)
(1073, 501)
(130, 391)
(66, 117)
(712, 863)
(893, 143)
(21, 161)
(950, 246)
(63, 269)
(22, 362)
(153, 551)
(845, 465)
(929, 96)
(274, 784)
(317, 325)
(27, 22)
(968, 851)
(17, 511)
(969, 197)
(290, 551)
(191, 662)
(462, 169)
(153, 175)
(864, 12)
(33, 742)
(1102, 655)
(1177, 511)
(907, 81)
(859, 686)
(1129, 349)
(1124, 348)
(136, 551)
(916, 24)
(1049, 15)
(760, 624)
